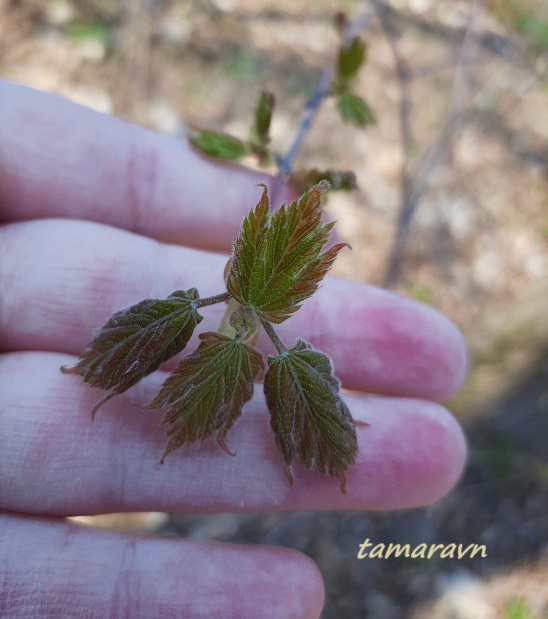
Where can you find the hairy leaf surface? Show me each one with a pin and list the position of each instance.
(310, 420)
(135, 341)
(277, 259)
(207, 390)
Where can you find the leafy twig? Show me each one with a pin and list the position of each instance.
(321, 92)
(278, 260)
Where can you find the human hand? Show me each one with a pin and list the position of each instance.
(96, 215)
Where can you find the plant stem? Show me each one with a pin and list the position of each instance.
(280, 346)
(219, 298)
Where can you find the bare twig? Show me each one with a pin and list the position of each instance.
(414, 190)
(408, 205)
(312, 107)
(465, 60)
(414, 185)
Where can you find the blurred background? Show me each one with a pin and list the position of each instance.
(451, 209)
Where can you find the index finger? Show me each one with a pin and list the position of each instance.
(58, 159)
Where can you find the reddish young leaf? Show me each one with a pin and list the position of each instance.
(277, 260)
(310, 420)
(135, 341)
(207, 390)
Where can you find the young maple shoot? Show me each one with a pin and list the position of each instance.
(277, 261)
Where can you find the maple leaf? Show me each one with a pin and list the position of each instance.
(309, 419)
(136, 341)
(277, 260)
(207, 390)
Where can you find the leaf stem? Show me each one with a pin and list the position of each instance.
(219, 298)
(280, 346)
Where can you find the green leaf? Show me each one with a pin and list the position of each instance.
(355, 110)
(259, 135)
(277, 260)
(82, 31)
(351, 58)
(207, 390)
(310, 420)
(219, 145)
(135, 341)
(536, 28)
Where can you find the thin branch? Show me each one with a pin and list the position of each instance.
(408, 203)
(414, 186)
(415, 192)
(312, 107)
(465, 60)
(403, 73)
